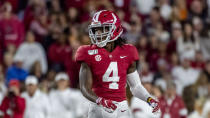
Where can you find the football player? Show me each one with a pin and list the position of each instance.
(106, 66)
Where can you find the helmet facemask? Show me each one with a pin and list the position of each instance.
(100, 35)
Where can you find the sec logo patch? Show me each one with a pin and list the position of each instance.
(98, 57)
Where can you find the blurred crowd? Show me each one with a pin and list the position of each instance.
(39, 38)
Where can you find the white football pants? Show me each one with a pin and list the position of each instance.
(122, 111)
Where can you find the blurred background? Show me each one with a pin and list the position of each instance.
(39, 38)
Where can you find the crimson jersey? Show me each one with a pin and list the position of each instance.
(109, 69)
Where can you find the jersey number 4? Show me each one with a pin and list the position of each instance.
(112, 69)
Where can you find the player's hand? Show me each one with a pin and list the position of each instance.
(154, 104)
(108, 105)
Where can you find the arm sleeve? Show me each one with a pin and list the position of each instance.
(135, 53)
(136, 87)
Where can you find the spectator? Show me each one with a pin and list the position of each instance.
(152, 50)
(205, 44)
(44, 86)
(85, 39)
(161, 34)
(55, 6)
(143, 7)
(206, 71)
(66, 102)
(184, 75)
(162, 66)
(197, 113)
(179, 10)
(189, 97)
(88, 11)
(54, 31)
(160, 56)
(16, 71)
(173, 61)
(199, 29)
(40, 26)
(188, 45)
(197, 9)
(122, 4)
(176, 34)
(132, 35)
(48, 82)
(172, 106)
(202, 33)
(61, 99)
(72, 67)
(140, 109)
(142, 56)
(59, 51)
(62, 21)
(73, 15)
(162, 82)
(165, 9)
(11, 49)
(37, 71)
(31, 52)
(201, 86)
(157, 91)
(37, 103)
(142, 44)
(145, 74)
(11, 29)
(152, 21)
(198, 62)
(13, 106)
(33, 8)
(125, 16)
(8, 59)
(14, 4)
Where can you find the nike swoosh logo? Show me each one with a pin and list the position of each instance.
(122, 57)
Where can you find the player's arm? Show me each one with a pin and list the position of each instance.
(138, 89)
(86, 81)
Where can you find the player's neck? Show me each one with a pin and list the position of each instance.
(110, 46)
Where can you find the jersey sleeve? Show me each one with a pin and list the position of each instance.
(81, 55)
(135, 54)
